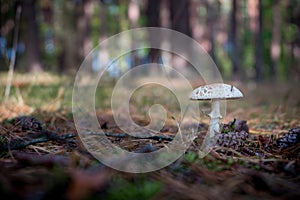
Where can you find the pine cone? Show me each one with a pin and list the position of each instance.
(236, 125)
(241, 125)
(233, 140)
(28, 123)
(289, 139)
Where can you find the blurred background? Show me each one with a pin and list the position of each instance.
(249, 40)
(256, 46)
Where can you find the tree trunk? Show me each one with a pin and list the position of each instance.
(165, 14)
(84, 18)
(65, 27)
(103, 22)
(31, 37)
(180, 21)
(153, 16)
(294, 18)
(233, 38)
(180, 16)
(213, 8)
(257, 30)
(275, 44)
(133, 15)
(195, 24)
(47, 11)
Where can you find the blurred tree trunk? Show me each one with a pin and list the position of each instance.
(294, 18)
(31, 37)
(165, 14)
(195, 23)
(233, 38)
(213, 8)
(258, 65)
(84, 19)
(133, 15)
(103, 22)
(65, 31)
(180, 16)
(153, 17)
(47, 11)
(180, 21)
(275, 44)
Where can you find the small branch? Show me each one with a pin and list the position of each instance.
(156, 137)
(122, 135)
(44, 136)
(13, 56)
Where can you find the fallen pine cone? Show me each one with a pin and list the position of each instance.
(236, 125)
(234, 134)
(28, 123)
(233, 140)
(289, 139)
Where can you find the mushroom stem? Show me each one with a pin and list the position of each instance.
(215, 117)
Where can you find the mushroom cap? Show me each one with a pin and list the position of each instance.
(216, 91)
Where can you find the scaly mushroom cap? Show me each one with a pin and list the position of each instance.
(216, 91)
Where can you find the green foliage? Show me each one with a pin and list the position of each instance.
(95, 25)
(230, 161)
(102, 96)
(190, 156)
(230, 128)
(58, 182)
(3, 143)
(141, 188)
(44, 89)
(224, 59)
(290, 32)
(214, 164)
(208, 162)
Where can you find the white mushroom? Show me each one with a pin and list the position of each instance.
(215, 92)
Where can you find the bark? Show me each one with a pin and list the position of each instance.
(47, 11)
(66, 40)
(84, 18)
(195, 24)
(31, 37)
(165, 14)
(255, 13)
(275, 44)
(211, 23)
(152, 13)
(180, 16)
(133, 15)
(294, 18)
(233, 35)
(153, 16)
(180, 21)
(103, 22)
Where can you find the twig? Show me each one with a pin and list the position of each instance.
(122, 135)
(117, 135)
(156, 137)
(44, 136)
(13, 56)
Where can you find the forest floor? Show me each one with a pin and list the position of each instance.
(43, 157)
